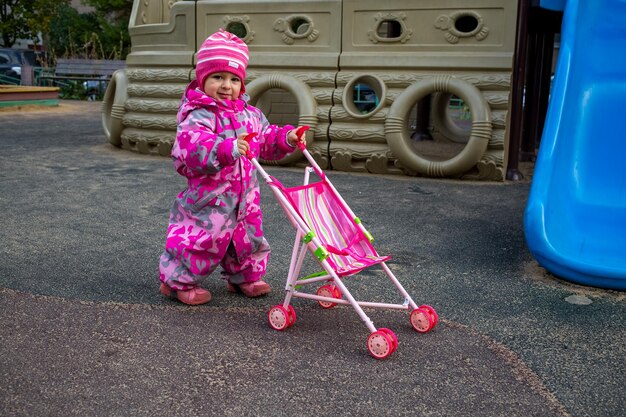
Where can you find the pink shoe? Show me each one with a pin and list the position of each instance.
(250, 289)
(193, 297)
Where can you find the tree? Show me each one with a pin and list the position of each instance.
(25, 19)
(120, 9)
(70, 31)
(113, 17)
(101, 34)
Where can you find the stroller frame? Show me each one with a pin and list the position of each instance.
(381, 342)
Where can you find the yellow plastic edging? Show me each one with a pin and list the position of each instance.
(113, 107)
(26, 89)
(307, 106)
(397, 135)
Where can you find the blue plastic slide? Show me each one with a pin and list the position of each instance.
(575, 218)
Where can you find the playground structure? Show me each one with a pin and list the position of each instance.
(373, 80)
(363, 74)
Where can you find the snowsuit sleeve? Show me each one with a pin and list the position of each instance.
(199, 148)
(275, 145)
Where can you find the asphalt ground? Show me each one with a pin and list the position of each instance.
(84, 331)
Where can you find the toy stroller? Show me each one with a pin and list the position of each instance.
(328, 228)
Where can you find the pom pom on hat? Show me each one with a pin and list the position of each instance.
(222, 52)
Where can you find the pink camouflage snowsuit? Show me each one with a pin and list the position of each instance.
(217, 219)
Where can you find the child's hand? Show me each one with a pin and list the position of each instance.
(242, 145)
(292, 137)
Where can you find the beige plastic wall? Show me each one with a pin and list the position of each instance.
(428, 48)
(306, 58)
(140, 104)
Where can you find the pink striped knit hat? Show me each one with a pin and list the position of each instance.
(222, 51)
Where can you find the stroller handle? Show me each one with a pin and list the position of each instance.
(299, 132)
(248, 139)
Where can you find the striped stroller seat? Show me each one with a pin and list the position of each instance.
(349, 249)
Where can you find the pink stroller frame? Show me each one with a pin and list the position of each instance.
(326, 227)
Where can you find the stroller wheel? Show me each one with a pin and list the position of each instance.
(278, 317)
(432, 312)
(291, 315)
(328, 291)
(421, 320)
(391, 335)
(337, 292)
(380, 345)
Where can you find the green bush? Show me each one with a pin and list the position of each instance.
(97, 35)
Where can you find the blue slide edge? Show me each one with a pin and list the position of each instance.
(575, 217)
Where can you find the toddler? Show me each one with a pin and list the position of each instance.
(217, 219)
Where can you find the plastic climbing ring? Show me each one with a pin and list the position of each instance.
(113, 107)
(330, 291)
(380, 345)
(397, 135)
(278, 317)
(442, 121)
(307, 106)
(421, 320)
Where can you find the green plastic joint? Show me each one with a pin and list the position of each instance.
(321, 253)
(308, 237)
(316, 274)
(367, 234)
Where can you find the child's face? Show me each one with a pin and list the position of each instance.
(222, 86)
